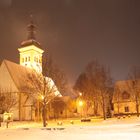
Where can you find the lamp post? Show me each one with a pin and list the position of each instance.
(80, 93)
(81, 107)
(80, 103)
(43, 110)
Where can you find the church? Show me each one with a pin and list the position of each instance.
(13, 77)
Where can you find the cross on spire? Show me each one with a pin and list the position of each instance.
(31, 29)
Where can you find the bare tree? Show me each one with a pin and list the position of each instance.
(7, 102)
(95, 84)
(58, 106)
(41, 88)
(134, 85)
(46, 84)
(117, 97)
(50, 69)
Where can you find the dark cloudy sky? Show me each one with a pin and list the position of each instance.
(76, 32)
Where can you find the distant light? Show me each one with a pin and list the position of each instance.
(80, 94)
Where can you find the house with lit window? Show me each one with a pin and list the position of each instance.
(14, 77)
(124, 98)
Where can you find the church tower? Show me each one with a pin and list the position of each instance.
(30, 50)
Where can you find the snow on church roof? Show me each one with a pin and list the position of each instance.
(19, 75)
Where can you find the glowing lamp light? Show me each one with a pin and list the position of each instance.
(42, 97)
(80, 94)
(81, 103)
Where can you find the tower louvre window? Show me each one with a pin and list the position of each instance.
(28, 58)
(22, 60)
(39, 60)
(35, 59)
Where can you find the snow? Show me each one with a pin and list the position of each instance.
(105, 130)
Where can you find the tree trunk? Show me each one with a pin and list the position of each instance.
(137, 108)
(118, 103)
(44, 115)
(95, 108)
(104, 113)
(37, 113)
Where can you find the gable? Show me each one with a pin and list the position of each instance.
(123, 91)
(6, 82)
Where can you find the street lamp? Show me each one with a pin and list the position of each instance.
(80, 94)
(80, 103)
(42, 97)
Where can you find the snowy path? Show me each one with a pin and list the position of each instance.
(102, 132)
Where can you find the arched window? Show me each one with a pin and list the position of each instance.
(36, 59)
(26, 59)
(125, 95)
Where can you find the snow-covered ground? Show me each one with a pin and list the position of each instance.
(104, 130)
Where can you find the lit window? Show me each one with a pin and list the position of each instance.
(126, 108)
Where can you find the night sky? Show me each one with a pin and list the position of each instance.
(75, 32)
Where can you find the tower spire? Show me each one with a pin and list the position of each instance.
(31, 29)
(30, 51)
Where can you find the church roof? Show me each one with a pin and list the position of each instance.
(30, 42)
(20, 75)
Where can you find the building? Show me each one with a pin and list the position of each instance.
(14, 77)
(124, 98)
(30, 50)
(12, 80)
